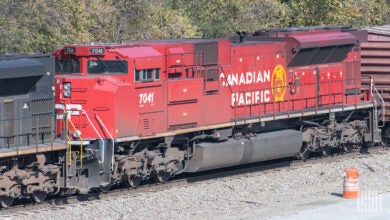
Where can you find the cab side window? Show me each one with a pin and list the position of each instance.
(147, 75)
(107, 66)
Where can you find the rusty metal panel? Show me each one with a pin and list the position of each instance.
(376, 62)
(376, 44)
(377, 52)
(380, 33)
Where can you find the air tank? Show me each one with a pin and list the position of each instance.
(261, 147)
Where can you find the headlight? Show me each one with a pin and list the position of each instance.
(67, 89)
(77, 134)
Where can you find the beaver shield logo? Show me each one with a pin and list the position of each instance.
(278, 83)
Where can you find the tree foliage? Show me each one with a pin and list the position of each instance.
(43, 25)
(339, 12)
(154, 19)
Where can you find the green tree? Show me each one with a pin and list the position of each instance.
(339, 12)
(43, 25)
(266, 14)
(219, 18)
(154, 19)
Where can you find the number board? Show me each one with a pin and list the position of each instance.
(71, 50)
(96, 50)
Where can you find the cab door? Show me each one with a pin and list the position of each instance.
(149, 101)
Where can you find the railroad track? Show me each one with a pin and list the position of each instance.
(185, 179)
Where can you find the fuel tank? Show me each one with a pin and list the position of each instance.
(262, 147)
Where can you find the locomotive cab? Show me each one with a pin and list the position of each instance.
(128, 102)
(125, 80)
(90, 123)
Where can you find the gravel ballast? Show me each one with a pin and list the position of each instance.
(256, 195)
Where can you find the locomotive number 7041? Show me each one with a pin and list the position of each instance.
(146, 98)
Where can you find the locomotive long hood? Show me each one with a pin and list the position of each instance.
(325, 39)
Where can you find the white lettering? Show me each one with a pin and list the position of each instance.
(146, 98)
(241, 99)
(267, 96)
(251, 97)
(249, 77)
(267, 75)
(248, 98)
(242, 79)
(236, 79)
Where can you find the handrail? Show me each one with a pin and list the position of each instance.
(276, 107)
(372, 90)
(81, 142)
(383, 107)
(100, 137)
(113, 143)
(231, 91)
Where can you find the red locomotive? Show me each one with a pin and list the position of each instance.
(132, 111)
(166, 107)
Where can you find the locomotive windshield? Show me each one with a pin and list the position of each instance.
(107, 66)
(67, 66)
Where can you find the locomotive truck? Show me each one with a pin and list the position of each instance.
(125, 113)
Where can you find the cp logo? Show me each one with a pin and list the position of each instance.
(278, 83)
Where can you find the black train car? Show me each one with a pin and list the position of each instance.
(30, 164)
(26, 100)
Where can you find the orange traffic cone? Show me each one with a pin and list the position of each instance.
(351, 183)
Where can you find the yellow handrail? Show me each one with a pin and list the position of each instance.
(70, 146)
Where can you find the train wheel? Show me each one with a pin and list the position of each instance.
(133, 180)
(162, 176)
(105, 188)
(39, 196)
(55, 192)
(6, 201)
(304, 155)
(304, 152)
(386, 136)
(348, 148)
(326, 151)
